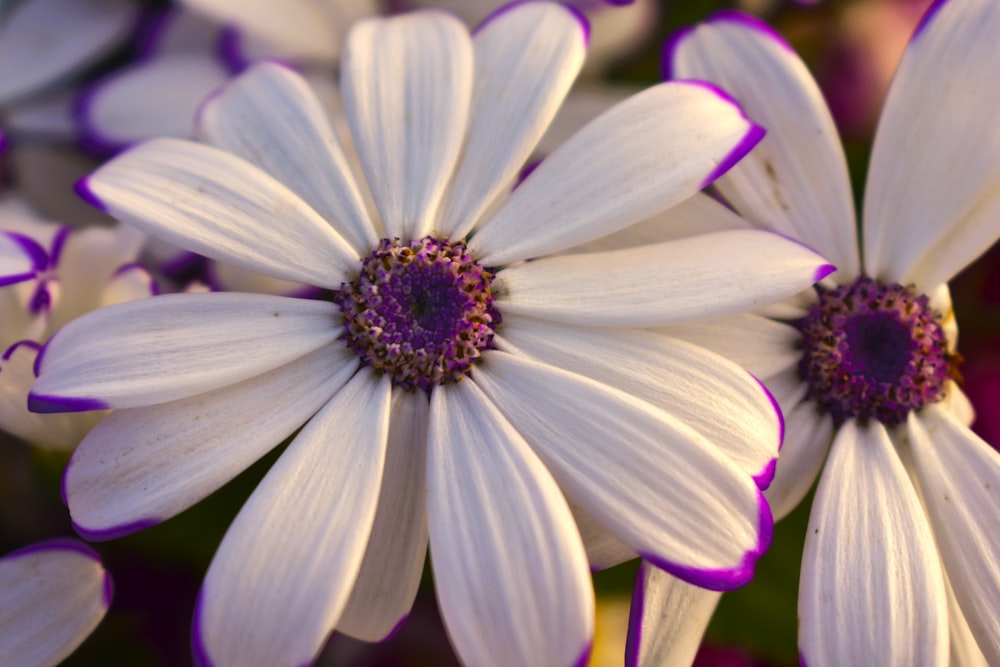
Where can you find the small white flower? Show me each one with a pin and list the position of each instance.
(452, 389)
(73, 272)
(52, 596)
(904, 535)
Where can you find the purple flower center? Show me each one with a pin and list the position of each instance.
(421, 311)
(873, 351)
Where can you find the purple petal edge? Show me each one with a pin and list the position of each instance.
(504, 9)
(802, 660)
(56, 544)
(752, 137)
(584, 657)
(114, 532)
(44, 404)
(109, 589)
(669, 51)
(929, 14)
(16, 278)
(395, 629)
(751, 22)
(198, 650)
(726, 579)
(634, 637)
(823, 271)
(9, 352)
(777, 411)
(88, 137)
(84, 192)
(229, 50)
(32, 248)
(764, 478)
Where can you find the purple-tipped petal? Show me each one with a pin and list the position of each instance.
(725, 579)
(766, 476)
(633, 639)
(580, 16)
(229, 50)
(115, 532)
(823, 272)
(929, 14)
(88, 137)
(83, 191)
(21, 343)
(56, 544)
(777, 411)
(753, 136)
(198, 650)
(668, 51)
(43, 404)
(35, 252)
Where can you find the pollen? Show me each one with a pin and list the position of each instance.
(873, 351)
(420, 311)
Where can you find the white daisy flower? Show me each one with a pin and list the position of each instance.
(52, 596)
(904, 535)
(73, 272)
(445, 385)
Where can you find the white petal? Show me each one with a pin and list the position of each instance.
(638, 159)
(88, 261)
(509, 566)
(226, 277)
(795, 182)
(704, 391)
(619, 31)
(20, 258)
(142, 466)
(960, 478)
(761, 345)
(391, 570)
(295, 29)
(174, 346)
(871, 591)
(52, 596)
(958, 403)
(667, 620)
(155, 98)
(270, 117)
(44, 41)
(933, 193)
(181, 31)
(526, 58)
(604, 550)
(654, 482)
(406, 83)
(285, 568)
(808, 433)
(964, 649)
(701, 277)
(62, 431)
(213, 203)
(698, 214)
(129, 283)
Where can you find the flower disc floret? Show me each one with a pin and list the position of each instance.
(873, 351)
(421, 311)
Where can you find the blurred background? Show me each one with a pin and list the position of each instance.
(851, 46)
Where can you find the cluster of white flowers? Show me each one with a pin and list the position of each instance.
(529, 369)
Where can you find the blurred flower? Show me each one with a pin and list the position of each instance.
(905, 525)
(868, 40)
(52, 596)
(42, 44)
(75, 271)
(407, 435)
(191, 52)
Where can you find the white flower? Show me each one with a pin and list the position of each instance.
(406, 435)
(73, 272)
(904, 535)
(52, 596)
